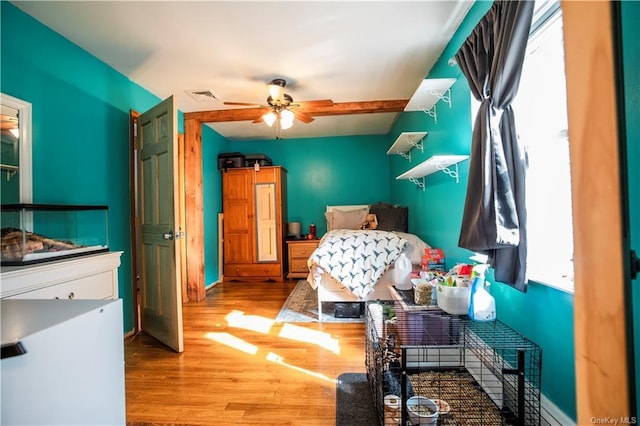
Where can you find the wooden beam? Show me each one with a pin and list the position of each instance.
(338, 108)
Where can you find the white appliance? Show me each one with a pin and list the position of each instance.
(72, 368)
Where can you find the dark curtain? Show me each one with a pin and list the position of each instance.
(494, 218)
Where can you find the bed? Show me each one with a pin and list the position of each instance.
(352, 264)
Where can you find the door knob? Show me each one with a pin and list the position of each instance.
(167, 235)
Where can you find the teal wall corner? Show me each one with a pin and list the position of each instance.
(436, 216)
(326, 171)
(80, 126)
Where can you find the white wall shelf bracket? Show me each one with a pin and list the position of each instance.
(416, 142)
(11, 170)
(430, 112)
(451, 172)
(443, 96)
(406, 155)
(419, 182)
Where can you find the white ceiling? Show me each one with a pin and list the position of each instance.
(344, 51)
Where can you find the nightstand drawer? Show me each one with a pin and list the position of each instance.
(302, 249)
(298, 253)
(298, 265)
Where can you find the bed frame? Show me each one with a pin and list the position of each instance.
(330, 290)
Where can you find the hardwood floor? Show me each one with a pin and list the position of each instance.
(239, 366)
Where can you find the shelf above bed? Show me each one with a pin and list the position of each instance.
(430, 91)
(405, 142)
(431, 165)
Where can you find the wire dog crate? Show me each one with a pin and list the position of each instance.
(477, 373)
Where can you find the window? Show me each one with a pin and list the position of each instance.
(541, 118)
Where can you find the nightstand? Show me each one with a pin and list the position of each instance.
(298, 253)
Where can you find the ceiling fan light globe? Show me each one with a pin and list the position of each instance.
(287, 115)
(269, 118)
(286, 124)
(276, 89)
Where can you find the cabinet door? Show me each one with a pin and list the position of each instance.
(238, 216)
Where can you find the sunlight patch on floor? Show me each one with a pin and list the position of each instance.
(233, 341)
(277, 359)
(319, 338)
(255, 323)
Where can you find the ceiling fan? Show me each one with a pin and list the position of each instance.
(280, 109)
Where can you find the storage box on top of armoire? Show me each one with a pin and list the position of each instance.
(250, 160)
(230, 160)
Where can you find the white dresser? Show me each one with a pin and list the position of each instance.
(70, 370)
(93, 276)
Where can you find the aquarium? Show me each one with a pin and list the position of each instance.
(33, 233)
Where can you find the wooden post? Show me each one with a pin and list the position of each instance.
(194, 209)
(602, 381)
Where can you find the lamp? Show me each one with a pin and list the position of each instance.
(279, 103)
(270, 118)
(280, 115)
(286, 118)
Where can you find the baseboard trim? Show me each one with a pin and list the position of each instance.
(213, 284)
(552, 415)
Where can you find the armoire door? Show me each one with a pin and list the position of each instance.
(237, 204)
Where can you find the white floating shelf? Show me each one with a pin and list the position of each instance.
(407, 141)
(432, 165)
(430, 91)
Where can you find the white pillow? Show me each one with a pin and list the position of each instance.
(415, 247)
(352, 219)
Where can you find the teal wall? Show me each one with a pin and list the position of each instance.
(630, 12)
(80, 129)
(543, 314)
(321, 171)
(80, 156)
(212, 145)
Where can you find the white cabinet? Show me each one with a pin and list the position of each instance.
(72, 368)
(87, 277)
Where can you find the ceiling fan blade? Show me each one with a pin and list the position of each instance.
(262, 113)
(316, 103)
(242, 104)
(303, 117)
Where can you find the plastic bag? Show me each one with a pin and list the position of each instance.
(482, 305)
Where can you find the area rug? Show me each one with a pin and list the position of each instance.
(354, 404)
(302, 306)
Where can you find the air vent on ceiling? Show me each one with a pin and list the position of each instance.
(203, 95)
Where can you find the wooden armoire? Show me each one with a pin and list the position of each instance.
(254, 207)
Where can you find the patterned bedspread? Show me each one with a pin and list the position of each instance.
(357, 258)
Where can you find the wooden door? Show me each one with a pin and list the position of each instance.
(160, 290)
